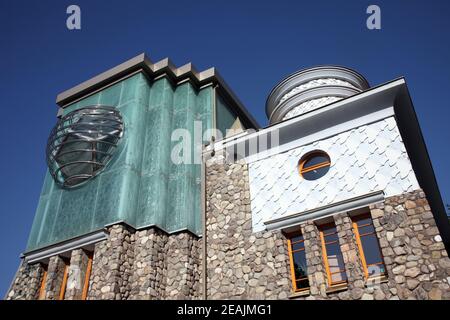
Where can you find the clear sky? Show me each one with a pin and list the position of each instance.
(254, 44)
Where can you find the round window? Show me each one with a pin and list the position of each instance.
(314, 165)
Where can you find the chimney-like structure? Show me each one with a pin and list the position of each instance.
(312, 88)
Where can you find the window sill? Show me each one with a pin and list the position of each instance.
(298, 294)
(337, 288)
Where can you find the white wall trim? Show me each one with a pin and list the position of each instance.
(66, 246)
(325, 211)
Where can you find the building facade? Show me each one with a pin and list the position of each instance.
(162, 186)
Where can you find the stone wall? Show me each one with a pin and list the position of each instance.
(166, 267)
(77, 274)
(313, 252)
(242, 264)
(149, 268)
(55, 275)
(111, 267)
(146, 264)
(416, 260)
(130, 264)
(151, 264)
(183, 267)
(27, 282)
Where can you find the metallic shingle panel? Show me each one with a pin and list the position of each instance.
(363, 160)
(310, 105)
(313, 84)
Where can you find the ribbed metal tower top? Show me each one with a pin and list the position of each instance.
(312, 88)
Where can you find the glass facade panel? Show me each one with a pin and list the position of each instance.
(140, 185)
(225, 117)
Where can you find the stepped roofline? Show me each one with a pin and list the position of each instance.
(164, 67)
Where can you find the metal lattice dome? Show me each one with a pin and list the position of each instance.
(82, 143)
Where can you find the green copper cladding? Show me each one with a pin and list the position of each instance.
(140, 185)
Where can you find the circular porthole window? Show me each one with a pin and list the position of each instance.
(314, 165)
(82, 143)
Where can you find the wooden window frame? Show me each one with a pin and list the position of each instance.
(62, 290)
(291, 261)
(41, 295)
(87, 276)
(308, 157)
(325, 256)
(361, 249)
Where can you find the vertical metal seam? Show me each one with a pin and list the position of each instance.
(203, 199)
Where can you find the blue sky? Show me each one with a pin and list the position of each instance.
(253, 45)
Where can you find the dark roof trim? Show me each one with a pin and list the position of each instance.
(411, 133)
(153, 70)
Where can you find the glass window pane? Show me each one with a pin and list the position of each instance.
(366, 229)
(314, 161)
(331, 238)
(333, 249)
(67, 153)
(316, 173)
(371, 249)
(296, 237)
(336, 266)
(361, 222)
(302, 284)
(298, 246)
(376, 270)
(328, 228)
(329, 233)
(335, 262)
(338, 277)
(299, 264)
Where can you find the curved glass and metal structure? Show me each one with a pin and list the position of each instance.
(82, 142)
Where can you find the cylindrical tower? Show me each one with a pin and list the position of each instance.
(312, 88)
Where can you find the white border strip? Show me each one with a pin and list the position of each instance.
(70, 245)
(326, 211)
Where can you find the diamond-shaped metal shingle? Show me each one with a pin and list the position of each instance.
(365, 159)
